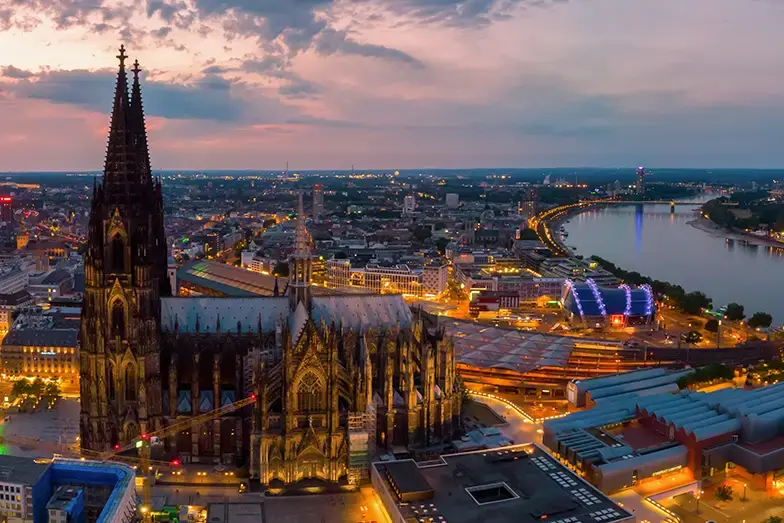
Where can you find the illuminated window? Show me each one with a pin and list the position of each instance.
(309, 394)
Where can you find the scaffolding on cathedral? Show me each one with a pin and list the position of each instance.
(362, 437)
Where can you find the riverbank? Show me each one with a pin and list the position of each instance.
(706, 225)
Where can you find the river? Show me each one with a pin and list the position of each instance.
(652, 241)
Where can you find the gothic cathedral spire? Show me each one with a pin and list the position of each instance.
(300, 262)
(125, 273)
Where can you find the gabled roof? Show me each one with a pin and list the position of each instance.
(362, 312)
(249, 312)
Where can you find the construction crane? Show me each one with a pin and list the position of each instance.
(142, 462)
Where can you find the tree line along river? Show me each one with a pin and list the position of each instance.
(653, 241)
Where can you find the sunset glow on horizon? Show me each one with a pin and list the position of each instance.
(324, 84)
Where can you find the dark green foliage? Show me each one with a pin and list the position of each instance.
(714, 371)
(690, 303)
(528, 234)
(693, 337)
(760, 320)
(724, 493)
(735, 312)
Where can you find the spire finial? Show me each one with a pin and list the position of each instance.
(122, 56)
(136, 69)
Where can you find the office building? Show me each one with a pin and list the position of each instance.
(435, 278)
(452, 200)
(13, 279)
(51, 284)
(639, 187)
(409, 205)
(6, 209)
(79, 491)
(9, 304)
(526, 209)
(67, 505)
(18, 478)
(318, 201)
(637, 433)
(521, 483)
(430, 280)
(42, 345)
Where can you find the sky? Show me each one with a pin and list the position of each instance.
(398, 84)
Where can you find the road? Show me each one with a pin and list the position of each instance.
(518, 428)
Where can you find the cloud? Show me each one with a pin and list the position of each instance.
(208, 98)
(215, 69)
(330, 41)
(14, 72)
(161, 32)
(277, 67)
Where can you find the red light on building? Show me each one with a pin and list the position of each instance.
(6, 199)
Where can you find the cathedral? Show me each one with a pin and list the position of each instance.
(333, 377)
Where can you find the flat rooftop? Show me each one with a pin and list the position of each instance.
(24, 471)
(235, 513)
(522, 484)
(235, 281)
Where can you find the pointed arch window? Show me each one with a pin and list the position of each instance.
(118, 319)
(130, 383)
(118, 254)
(112, 389)
(309, 394)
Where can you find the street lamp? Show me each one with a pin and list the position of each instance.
(718, 335)
(744, 493)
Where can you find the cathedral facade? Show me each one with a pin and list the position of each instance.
(332, 376)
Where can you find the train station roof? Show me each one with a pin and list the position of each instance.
(480, 345)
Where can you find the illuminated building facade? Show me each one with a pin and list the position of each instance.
(330, 376)
(429, 281)
(42, 345)
(639, 186)
(588, 304)
(318, 201)
(6, 209)
(642, 428)
(409, 205)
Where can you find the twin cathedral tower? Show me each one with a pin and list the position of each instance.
(314, 363)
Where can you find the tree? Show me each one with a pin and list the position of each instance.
(52, 391)
(773, 519)
(735, 312)
(693, 337)
(37, 387)
(21, 389)
(760, 320)
(724, 493)
(712, 325)
(694, 302)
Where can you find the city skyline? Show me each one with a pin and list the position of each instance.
(326, 84)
